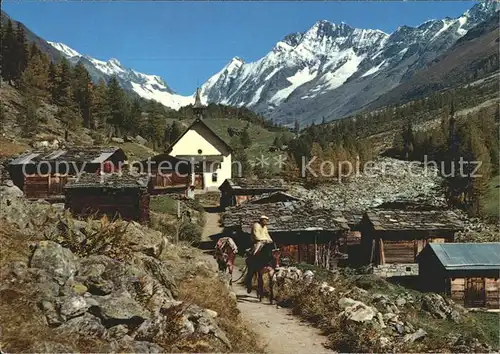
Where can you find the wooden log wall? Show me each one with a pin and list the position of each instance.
(170, 180)
(461, 287)
(403, 251)
(493, 293)
(319, 254)
(128, 207)
(44, 186)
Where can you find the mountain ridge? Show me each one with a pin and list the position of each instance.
(326, 72)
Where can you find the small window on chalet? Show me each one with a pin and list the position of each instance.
(214, 177)
(200, 151)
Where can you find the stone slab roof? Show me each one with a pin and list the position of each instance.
(283, 217)
(401, 220)
(108, 180)
(255, 184)
(79, 155)
(274, 197)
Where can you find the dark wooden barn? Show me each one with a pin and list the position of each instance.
(235, 191)
(303, 233)
(44, 174)
(467, 272)
(113, 194)
(169, 174)
(394, 238)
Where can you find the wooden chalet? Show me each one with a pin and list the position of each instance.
(398, 236)
(112, 194)
(467, 272)
(169, 174)
(303, 233)
(43, 174)
(235, 191)
(350, 242)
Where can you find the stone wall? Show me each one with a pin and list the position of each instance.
(396, 270)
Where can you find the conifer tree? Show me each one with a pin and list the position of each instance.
(34, 80)
(82, 92)
(176, 131)
(9, 49)
(134, 119)
(296, 126)
(100, 106)
(21, 52)
(116, 102)
(53, 82)
(63, 85)
(155, 127)
(245, 138)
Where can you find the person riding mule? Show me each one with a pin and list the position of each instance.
(260, 238)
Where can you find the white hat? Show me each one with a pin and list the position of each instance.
(264, 217)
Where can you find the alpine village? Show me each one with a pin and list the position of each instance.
(130, 225)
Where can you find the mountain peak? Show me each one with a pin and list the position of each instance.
(65, 50)
(115, 62)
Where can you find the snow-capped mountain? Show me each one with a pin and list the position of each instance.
(147, 86)
(332, 70)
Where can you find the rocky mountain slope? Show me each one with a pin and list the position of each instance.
(332, 70)
(473, 55)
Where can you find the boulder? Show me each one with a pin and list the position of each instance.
(73, 288)
(117, 140)
(362, 314)
(438, 307)
(308, 276)
(51, 347)
(49, 310)
(140, 140)
(133, 346)
(119, 331)
(119, 309)
(356, 311)
(56, 260)
(86, 326)
(98, 286)
(190, 320)
(72, 306)
(400, 302)
(410, 338)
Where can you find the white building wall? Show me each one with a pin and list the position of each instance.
(199, 138)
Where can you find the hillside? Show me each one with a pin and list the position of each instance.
(472, 57)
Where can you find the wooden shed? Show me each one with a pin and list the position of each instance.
(467, 272)
(398, 236)
(235, 191)
(114, 194)
(169, 174)
(43, 174)
(304, 233)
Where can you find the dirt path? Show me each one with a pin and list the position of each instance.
(278, 330)
(211, 226)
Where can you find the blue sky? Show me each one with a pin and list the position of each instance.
(187, 42)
